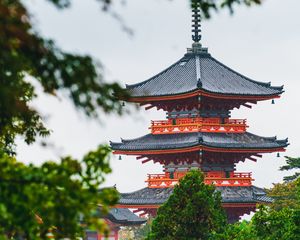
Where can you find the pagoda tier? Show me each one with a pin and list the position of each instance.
(235, 200)
(209, 144)
(199, 82)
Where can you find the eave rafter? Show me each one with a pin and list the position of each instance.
(192, 102)
(193, 157)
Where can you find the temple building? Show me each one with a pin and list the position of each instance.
(198, 94)
(115, 219)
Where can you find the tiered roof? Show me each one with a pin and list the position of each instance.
(124, 217)
(157, 196)
(187, 140)
(197, 71)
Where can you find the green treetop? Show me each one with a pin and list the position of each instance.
(193, 211)
(291, 164)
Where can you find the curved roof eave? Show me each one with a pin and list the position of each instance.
(196, 92)
(157, 196)
(193, 141)
(251, 89)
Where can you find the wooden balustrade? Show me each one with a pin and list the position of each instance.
(161, 181)
(235, 179)
(183, 125)
(219, 179)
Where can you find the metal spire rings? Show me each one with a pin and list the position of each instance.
(196, 26)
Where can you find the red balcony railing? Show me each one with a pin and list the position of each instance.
(183, 125)
(234, 179)
(161, 181)
(217, 178)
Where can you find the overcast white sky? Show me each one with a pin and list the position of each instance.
(262, 43)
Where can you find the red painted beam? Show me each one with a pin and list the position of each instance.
(200, 147)
(202, 93)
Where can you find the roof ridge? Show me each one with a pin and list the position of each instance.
(265, 84)
(133, 139)
(129, 86)
(133, 191)
(255, 135)
(283, 140)
(198, 71)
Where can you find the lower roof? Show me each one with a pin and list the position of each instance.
(124, 217)
(157, 196)
(187, 140)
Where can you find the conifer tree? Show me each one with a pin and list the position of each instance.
(193, 211)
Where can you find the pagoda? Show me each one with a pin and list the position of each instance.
(198, 94)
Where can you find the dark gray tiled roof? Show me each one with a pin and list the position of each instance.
(182, 140)
(158, 196)
(124, 216)
(146, 196)
(183, 77)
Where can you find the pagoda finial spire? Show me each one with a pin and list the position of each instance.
(196, 22)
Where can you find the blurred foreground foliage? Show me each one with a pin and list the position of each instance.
(206, 6)
(209, 6)
(63, 196)
(26, 55)
(60, 197)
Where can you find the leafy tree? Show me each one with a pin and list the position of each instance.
(291, 164)
(266, 224)
(278, 221)
(238, 231)
(270, 224)
(193, 211)
(285, 195)
(53, 196)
